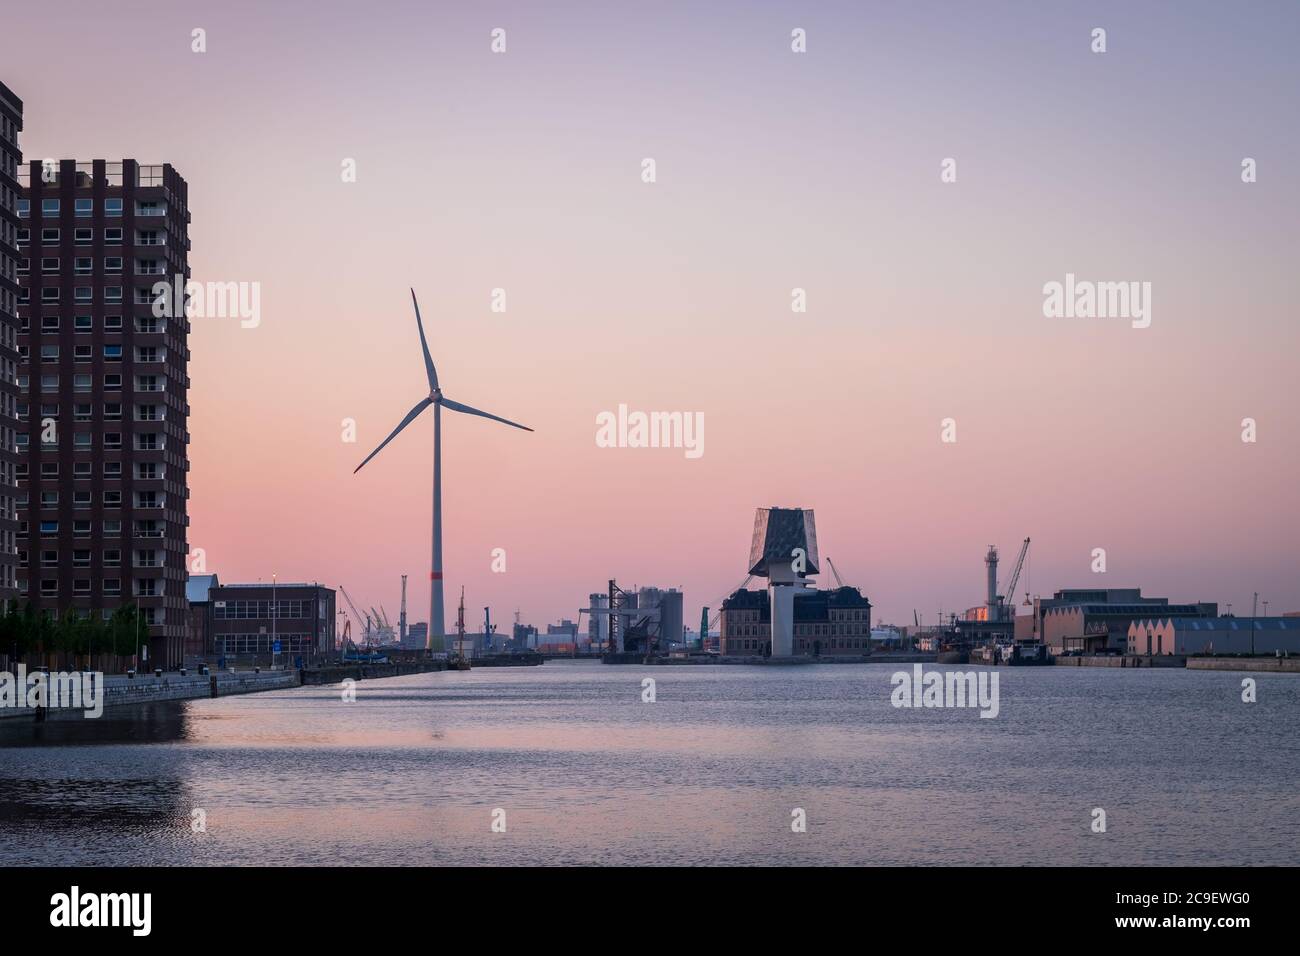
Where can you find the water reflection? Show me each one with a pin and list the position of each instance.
(411, 771)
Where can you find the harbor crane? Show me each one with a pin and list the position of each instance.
(839, 583)
(362, 619)
(1008, 600)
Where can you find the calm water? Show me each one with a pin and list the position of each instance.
(411, 772)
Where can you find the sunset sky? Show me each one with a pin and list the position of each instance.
(775, 170)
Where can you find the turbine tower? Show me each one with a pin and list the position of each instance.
(437, 622)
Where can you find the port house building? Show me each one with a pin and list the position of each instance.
(826, 623)
(1214, 635)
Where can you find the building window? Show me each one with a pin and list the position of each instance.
(84, 208)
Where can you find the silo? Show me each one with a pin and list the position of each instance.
(670, 617)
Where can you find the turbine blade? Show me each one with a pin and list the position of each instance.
(411, 416)
(428, 361)
(470, 410)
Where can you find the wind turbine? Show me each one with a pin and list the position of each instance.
(437, 622)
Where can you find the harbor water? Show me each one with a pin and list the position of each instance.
(576, 766)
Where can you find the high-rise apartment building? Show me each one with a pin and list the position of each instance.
(11, 157)
(102, 381)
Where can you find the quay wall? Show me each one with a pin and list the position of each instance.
(1276, 665)
(335, 673)
(122, 691)
(1123, 660)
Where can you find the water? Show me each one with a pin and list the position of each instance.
(586, 773)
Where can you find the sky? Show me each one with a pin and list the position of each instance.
(774, 170)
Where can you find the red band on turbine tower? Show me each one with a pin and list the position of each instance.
(435, 575)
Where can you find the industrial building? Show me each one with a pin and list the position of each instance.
(1214, 635)
(523, 637)
(417, 636)
(994, 621)
(103, 383)
(1091, 620)
(639, 621)
(246, 621)
(597, 622)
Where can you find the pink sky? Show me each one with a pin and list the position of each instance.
(775, 170)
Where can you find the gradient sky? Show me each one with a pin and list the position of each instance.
(775, 170)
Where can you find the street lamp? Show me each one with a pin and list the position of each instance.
(274, 616)
(1254, 613)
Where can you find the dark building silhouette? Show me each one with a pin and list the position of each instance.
(247, 620)
(11, 157)
(102, 384)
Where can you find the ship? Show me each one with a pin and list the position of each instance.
(1024, 654)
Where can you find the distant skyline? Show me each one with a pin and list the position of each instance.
(522, 171)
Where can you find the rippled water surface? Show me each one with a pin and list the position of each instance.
(411, 772)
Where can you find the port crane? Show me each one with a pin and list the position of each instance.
(1015, 575)
(839, 583)
(362, 619)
